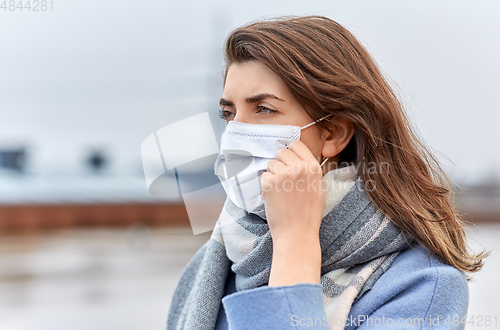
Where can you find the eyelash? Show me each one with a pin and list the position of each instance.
(269, 110)
(223, 114)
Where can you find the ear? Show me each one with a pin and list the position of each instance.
(341, 132)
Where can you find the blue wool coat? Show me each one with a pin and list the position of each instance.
(416, 292)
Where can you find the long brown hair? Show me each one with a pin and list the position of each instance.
(329, 71)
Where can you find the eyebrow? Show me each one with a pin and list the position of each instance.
(251, 99)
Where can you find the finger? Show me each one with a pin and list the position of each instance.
(288, 156)
(301, 150)
(275, 166)
(266, 181)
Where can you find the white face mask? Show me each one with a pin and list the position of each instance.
(245, 151)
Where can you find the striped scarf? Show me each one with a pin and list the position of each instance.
(358, 245)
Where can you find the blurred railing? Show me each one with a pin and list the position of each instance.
(34, 202)
(480, 203)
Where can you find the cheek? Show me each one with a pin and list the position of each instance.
(312, 141)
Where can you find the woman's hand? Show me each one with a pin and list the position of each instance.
(293, 194)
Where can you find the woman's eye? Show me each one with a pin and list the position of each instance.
(224, 114)
(263, 109)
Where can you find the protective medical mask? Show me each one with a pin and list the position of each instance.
(245, 151)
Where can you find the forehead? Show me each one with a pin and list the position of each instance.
(253, 77)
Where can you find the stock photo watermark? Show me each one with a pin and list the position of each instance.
(282, 183)
(431, 321)
(27, 5)
(170, 151)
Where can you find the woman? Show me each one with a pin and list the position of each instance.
(338, 216)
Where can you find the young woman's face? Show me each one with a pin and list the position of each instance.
(254, 94)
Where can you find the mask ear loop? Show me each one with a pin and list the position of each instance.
(316, 121)
(323, 163)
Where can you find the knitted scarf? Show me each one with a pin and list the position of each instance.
(358, 245)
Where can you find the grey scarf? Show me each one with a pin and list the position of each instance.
(358, 245)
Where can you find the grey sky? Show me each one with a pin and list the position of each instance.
(108, 74)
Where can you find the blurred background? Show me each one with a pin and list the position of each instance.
(83, 244)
